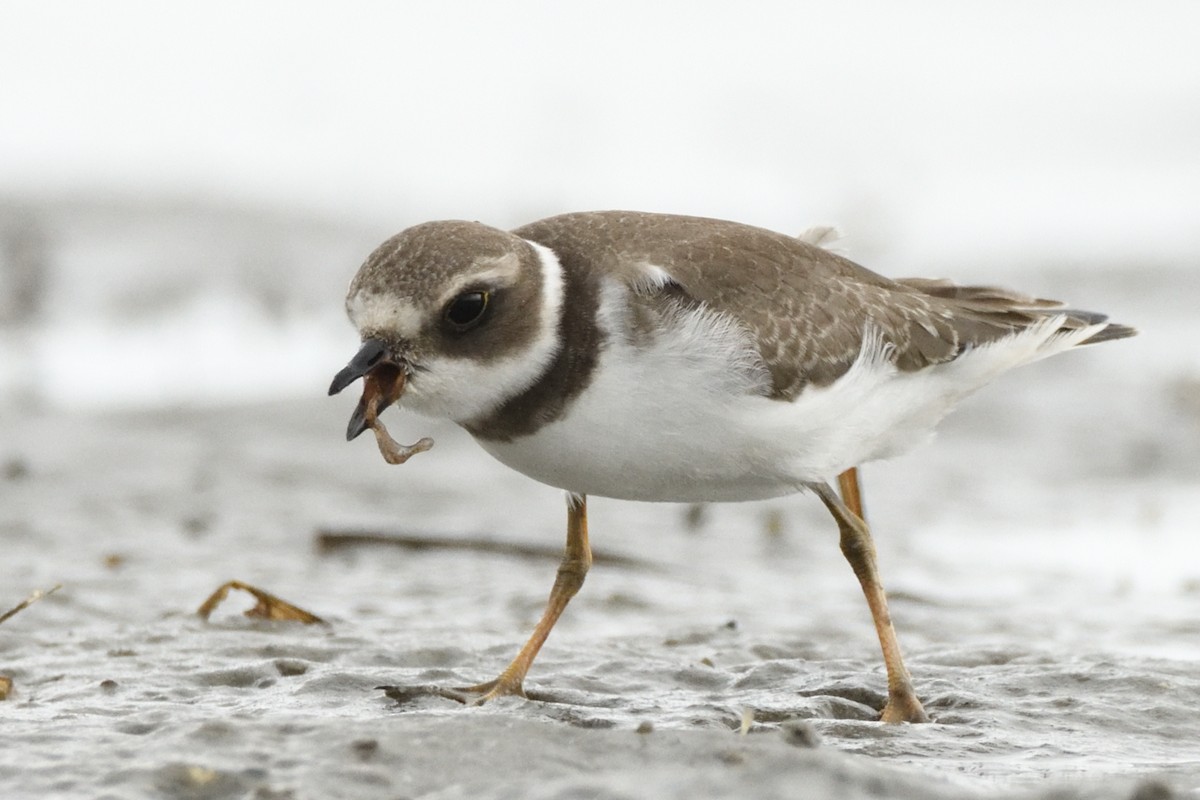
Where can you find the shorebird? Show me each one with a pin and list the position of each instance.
(669, 358)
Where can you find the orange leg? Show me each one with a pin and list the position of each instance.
(852, 492)
(571, 572)
(859, 549)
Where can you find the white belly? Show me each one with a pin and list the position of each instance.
(683, 420)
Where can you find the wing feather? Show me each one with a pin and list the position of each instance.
(809, 309)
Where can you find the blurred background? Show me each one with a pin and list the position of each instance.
(186, 188)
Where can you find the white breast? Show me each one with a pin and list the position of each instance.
(682, 417)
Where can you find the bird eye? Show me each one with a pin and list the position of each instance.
(466, 310)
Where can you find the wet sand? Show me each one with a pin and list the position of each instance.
(1040, 556)
(1050, 609)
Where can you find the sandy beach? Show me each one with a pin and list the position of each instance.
(187, 189)
(1039, 556)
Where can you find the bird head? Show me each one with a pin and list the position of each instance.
(455, 318)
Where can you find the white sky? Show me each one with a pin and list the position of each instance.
(967, 139)
(983, 130)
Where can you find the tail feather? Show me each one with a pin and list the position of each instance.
(994, 305)
(996, 296)
(1110, 332)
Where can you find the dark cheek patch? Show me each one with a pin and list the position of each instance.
(512, 324)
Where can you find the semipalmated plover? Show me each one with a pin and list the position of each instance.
(669, 358)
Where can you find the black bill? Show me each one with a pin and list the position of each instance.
(369, 355)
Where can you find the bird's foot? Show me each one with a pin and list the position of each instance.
(903, 707)
(467, 695)
(477, 695)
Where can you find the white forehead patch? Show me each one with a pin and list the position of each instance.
(384, 312)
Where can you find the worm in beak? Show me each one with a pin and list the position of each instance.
(383, 384)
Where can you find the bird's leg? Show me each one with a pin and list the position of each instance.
(852, 492)
(859, 549)
(571, 572)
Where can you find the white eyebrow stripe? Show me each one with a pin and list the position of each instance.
(503, 271)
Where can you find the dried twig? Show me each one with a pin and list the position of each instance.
(331, 539)
(268, 607)
(28, 601)
(6, 683)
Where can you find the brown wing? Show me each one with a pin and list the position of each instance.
(809, 309)
(996, 306)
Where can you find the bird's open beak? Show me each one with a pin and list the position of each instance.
(383, 383)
